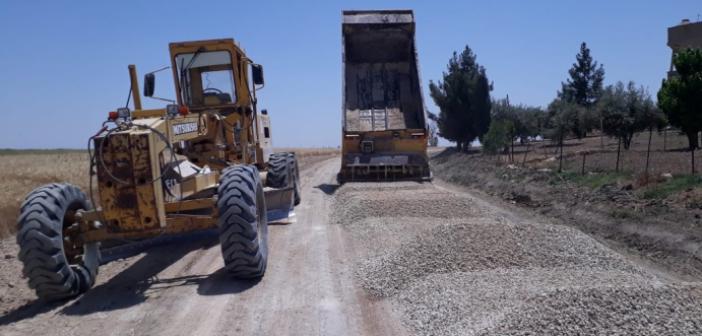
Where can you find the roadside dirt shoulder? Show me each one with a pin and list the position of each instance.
(664, 234)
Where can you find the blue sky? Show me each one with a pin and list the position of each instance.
(64, 63)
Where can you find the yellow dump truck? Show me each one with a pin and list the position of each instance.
(384, 131)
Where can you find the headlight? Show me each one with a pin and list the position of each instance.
(123, 112)
(172, 110)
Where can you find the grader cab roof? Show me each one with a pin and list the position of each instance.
(214, 44)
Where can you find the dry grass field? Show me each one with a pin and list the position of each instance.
(306, 156)
(23, 170)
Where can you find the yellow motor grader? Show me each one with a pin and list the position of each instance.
(204, 161)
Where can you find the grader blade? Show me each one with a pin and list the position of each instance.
(279, 205)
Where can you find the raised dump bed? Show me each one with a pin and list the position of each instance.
(384, 123)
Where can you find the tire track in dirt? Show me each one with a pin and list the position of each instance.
(179, 289)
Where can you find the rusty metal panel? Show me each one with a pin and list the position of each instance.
(114, 175)
(125, 182)
(175, 225)
(144, 174)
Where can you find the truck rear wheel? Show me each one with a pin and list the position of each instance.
(243, 223)
(283, 172)
(55, 265)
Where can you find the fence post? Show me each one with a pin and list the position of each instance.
(560, 161)
(525, 154)
(582, 168)
(619, 149)
(692, 155)
(665, 138)
(601, 133)
(648, 150)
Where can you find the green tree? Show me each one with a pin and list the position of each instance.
(584, 88)
(463, 98)
(561, 119)
(527, 121)
(680, 97)
(498, 136)
(533, 120)
(627, 110)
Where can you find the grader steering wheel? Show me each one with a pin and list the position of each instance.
(215, 90)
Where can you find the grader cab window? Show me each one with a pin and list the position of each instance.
(206, 78)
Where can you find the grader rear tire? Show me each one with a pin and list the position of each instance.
(283, 172)
(243, 223)
(292, 160)
(45, 215)
(280, 174)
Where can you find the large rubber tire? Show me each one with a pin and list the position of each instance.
(280, 174)
(243, 223)
(283, 172)
(44, 215)
(296, 172)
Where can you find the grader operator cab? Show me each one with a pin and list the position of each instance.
(204, 161)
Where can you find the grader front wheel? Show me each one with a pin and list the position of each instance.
(243, 222)
(56, 266)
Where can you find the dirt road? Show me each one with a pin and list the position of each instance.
(179, 288)
(383, 259)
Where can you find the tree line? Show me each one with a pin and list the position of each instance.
(583, 104)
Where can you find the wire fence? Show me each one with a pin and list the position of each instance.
(669, 154)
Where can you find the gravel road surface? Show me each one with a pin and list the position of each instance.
(454, 264)
(399, 258)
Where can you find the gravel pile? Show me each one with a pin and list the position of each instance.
(667, 310)
(355, 202)
(451, 267)
(479, 246)
(485, 302)
(381, 236)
